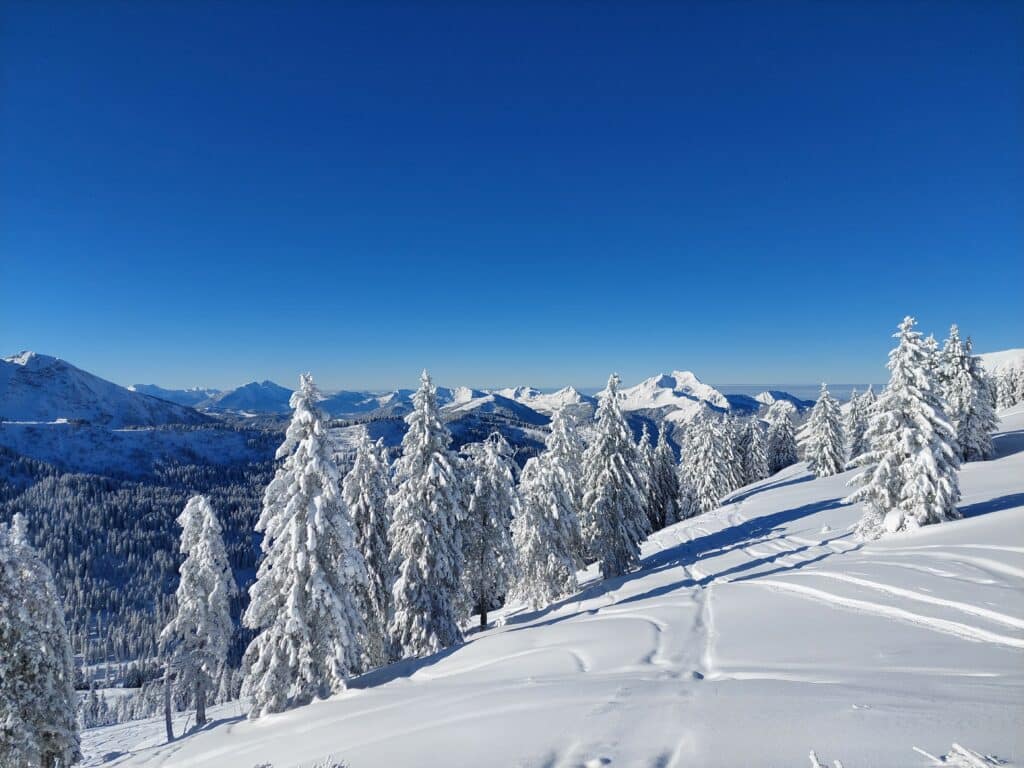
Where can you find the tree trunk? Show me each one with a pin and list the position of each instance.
(200, 702)
(483, 618)
(167, 702)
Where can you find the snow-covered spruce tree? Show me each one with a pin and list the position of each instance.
(689, 504)
(645, 472)
(782, 448)
(755, 451)
(909, 476)
(544, 534)
(706, 469)
(730, 438)
(665, 482)
(365, 492)
(488, 559)
(195, 641)
(564, 452)
(426, 540)
(613, 518)
(38, 725)
(1006, 395)
(855, 425)
(967, 398)
(305, 601)
(822, 437)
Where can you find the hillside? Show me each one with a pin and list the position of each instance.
(41, 388)
(760, 628)
(996, 362)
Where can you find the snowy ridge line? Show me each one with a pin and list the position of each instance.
(945, 626)
(985, 613)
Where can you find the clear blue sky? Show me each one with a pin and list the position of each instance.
(212, 192)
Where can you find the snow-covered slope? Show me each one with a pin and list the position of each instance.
(190, 397)
(750, 636)
(36, 387)
(254, 397)
(999, 361)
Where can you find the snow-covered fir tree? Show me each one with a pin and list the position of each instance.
(909, 476)
(365, 492)
(689, 504)
(564, 452)
(855, 425)
(1009, 387)
(664, 483)
(967, 397)
(729, 435)
(613, 518)
(645, 472)
(782, 448)
(305, 602)
(754, 451)
(706, 464)
(488, 558)
(195, 641)
(426, 539)
(822, 439)
(544, 534)
(38, 725)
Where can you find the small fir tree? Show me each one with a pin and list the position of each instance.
(197, 638)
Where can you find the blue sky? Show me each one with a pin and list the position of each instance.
(208, 193)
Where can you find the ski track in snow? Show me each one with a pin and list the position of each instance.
(940, 625)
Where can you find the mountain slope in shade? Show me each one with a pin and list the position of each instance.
(469, 401)
(36, 387)
(996, 362)
(254, 397)
(192, 397)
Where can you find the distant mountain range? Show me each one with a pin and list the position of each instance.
(35, 387)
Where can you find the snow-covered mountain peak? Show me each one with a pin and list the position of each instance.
(28, 357)
(681, 392)
(36, 387)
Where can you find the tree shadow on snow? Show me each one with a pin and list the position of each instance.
(997, 504)
(767, 487)
(1008, 443)
(754, 531)
(403, 668)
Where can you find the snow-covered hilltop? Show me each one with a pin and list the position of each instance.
(36, 387)
(997, 362)
(763, 628)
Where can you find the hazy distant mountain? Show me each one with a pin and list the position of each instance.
(191, 397)
(36, 387)
(254, 397)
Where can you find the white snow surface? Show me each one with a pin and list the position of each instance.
(749, 636)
